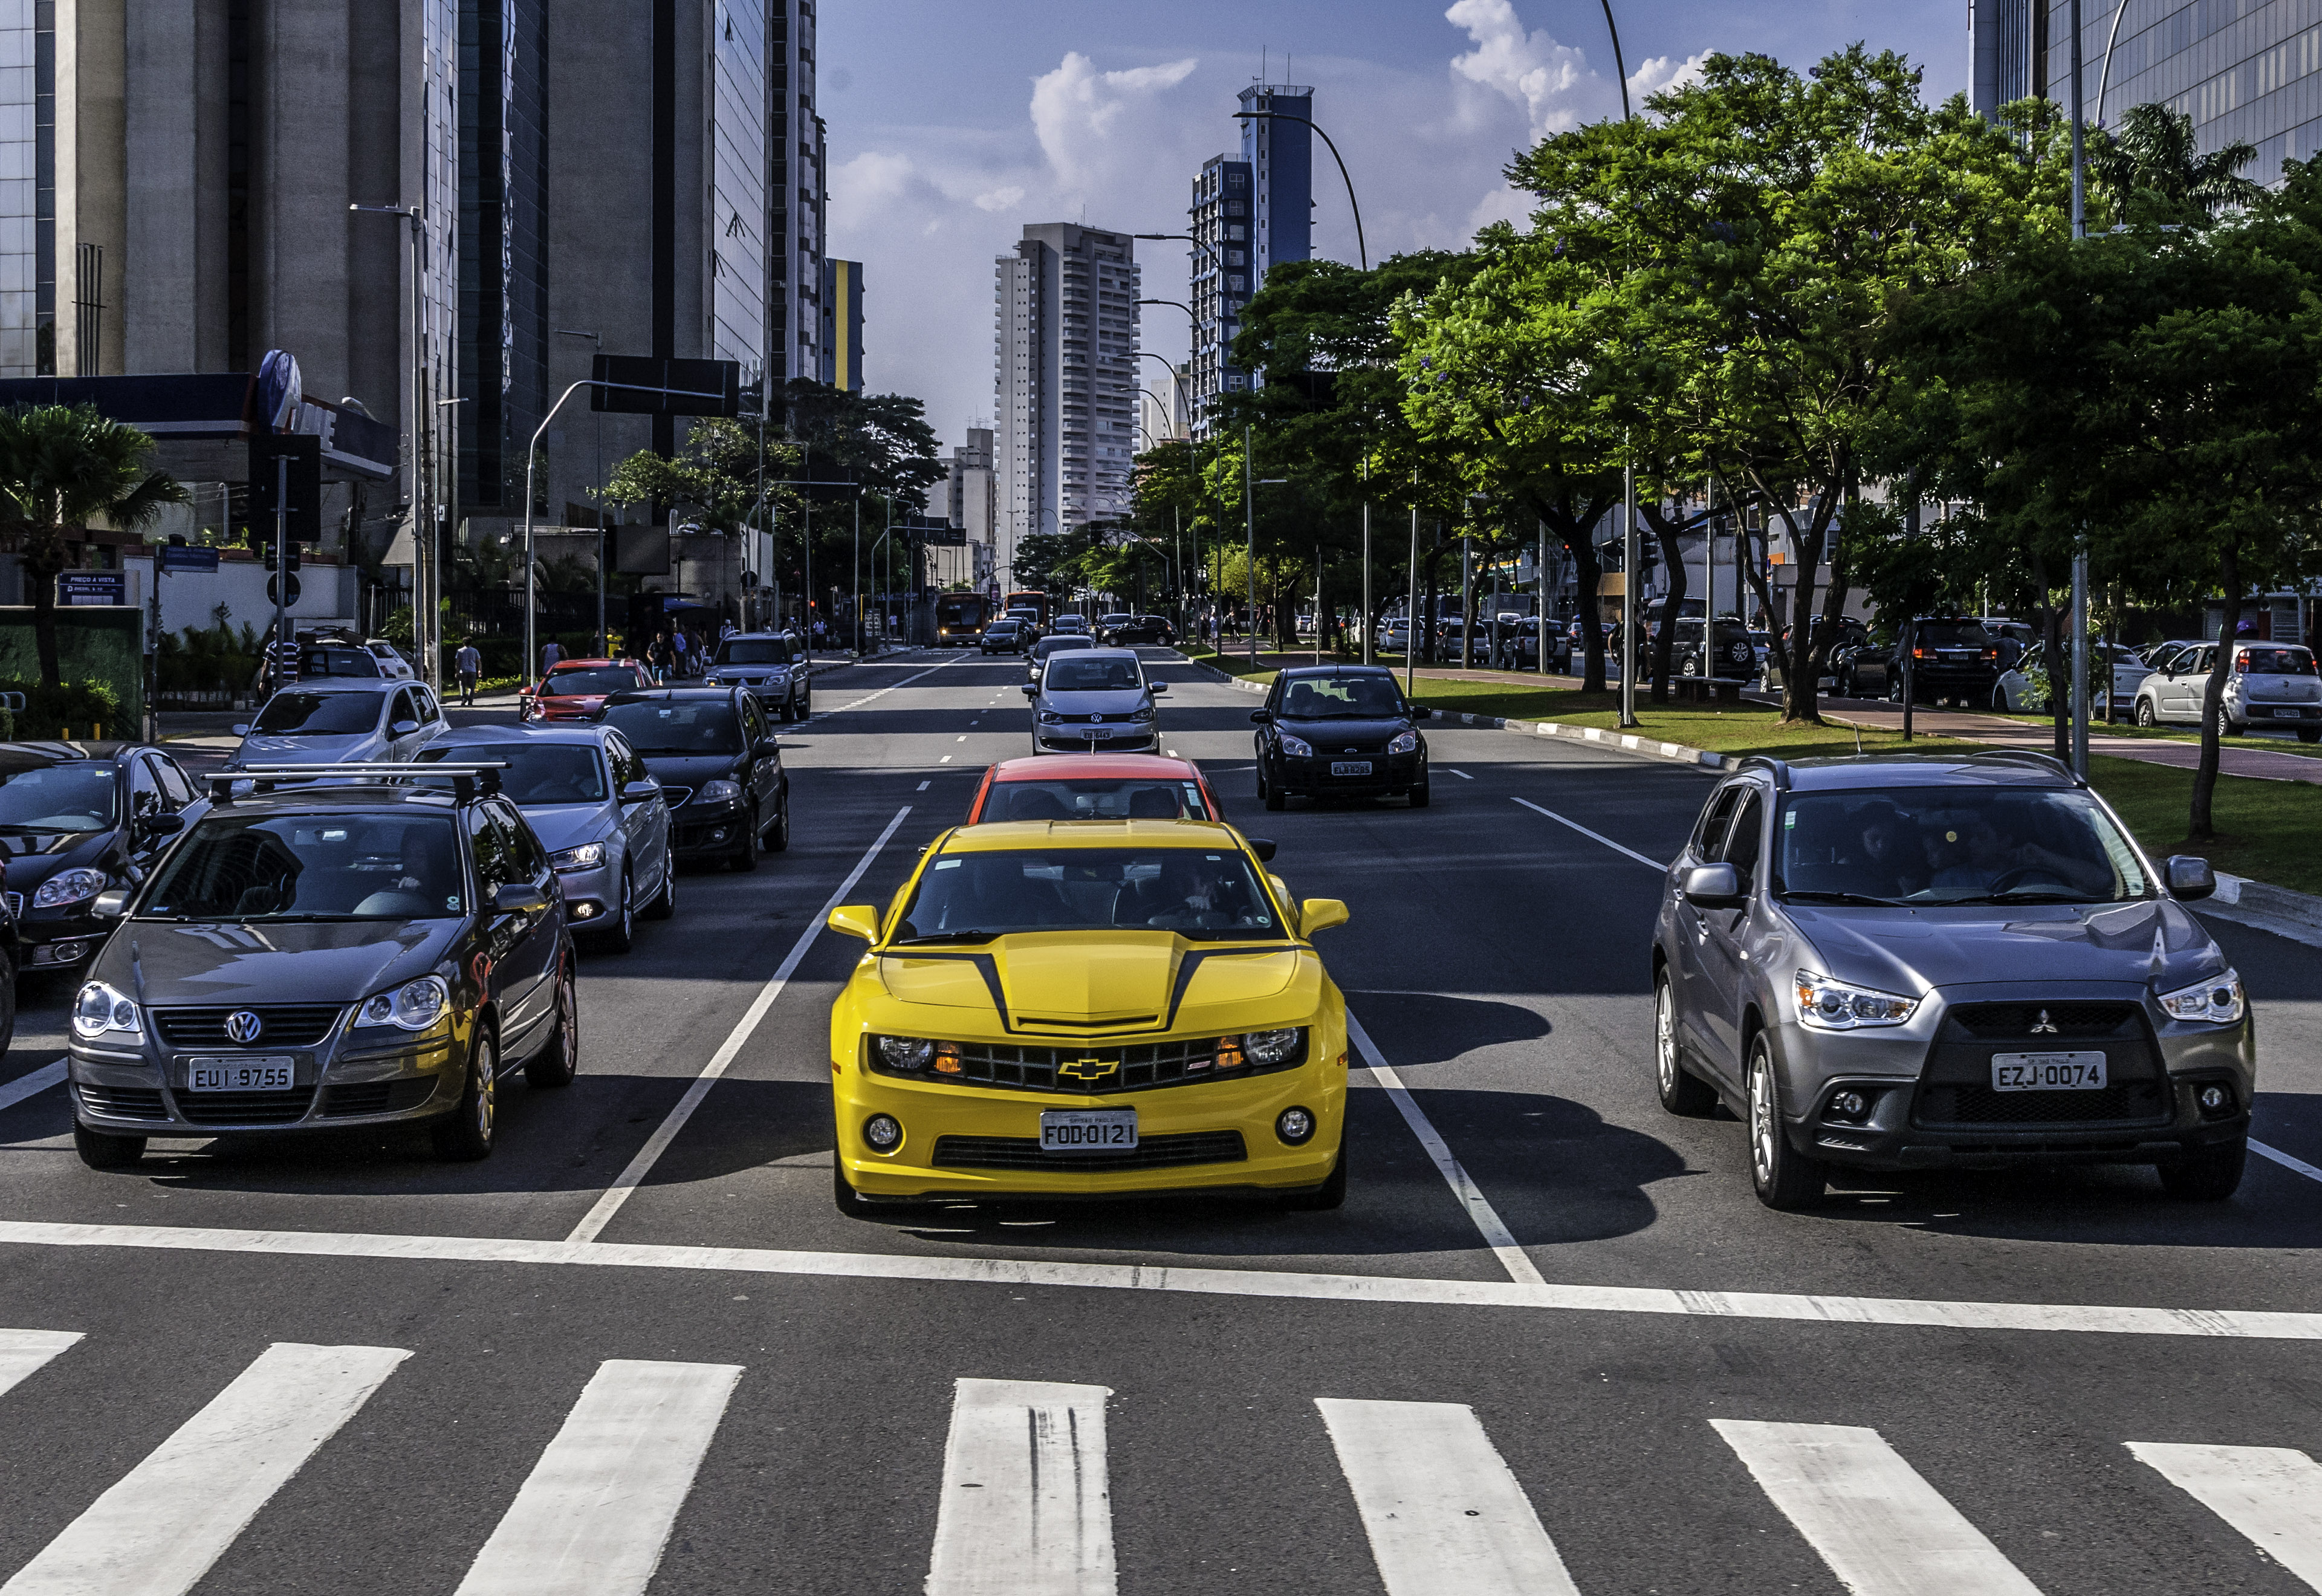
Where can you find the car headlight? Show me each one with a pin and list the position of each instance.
(720, 791)
(1405, 743)
(98, 1009)
(1049, 717)
(414, 1005)
(587, 856)
(68, 886)
(1142, 716)
(1270, 1047)
(907, 1056)
(1835, 1006)
(2216, 1000)
(1297, 747)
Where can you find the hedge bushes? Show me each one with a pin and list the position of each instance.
(80, 708)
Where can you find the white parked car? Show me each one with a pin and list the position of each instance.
(2019, 694)
(340, 721)
(2271, 684)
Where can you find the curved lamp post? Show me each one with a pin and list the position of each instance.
(1362, 252)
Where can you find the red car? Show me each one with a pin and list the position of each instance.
(577, 689)
(1094, 787)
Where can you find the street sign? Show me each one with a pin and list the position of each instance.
(287, 594)
(184, 557)
(92, 586)
(642, 385)
(303, 524)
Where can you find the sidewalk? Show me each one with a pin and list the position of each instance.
(2233, 759)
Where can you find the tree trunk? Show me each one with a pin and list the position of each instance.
(2202, 826)
(44, 561)
(1673, 562)
(1591, 574)
(1802, 660)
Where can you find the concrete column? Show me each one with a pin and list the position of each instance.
(91, 177)
(159, 279)
(299, 189)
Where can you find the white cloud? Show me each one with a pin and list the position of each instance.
(1551, 81)
(1000, 199)
(1076, 109)
(1653, 76)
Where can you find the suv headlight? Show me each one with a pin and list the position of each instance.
(98, 1009)
(1270, 1047)
(720, 791)
(68, 886)
(414, 1005)
(1405, 743)
(2217, 1001)
(587, 856)
(1296, 747)
(1835, 1006)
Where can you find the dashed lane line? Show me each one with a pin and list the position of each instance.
(1461, 774)
(2298, 1166)
(924, 785)
(32, 1084)
(880, 693)
(1597, 836)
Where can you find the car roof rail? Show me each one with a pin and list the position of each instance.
(468, 780)
(1767, 763)
(2025, 756)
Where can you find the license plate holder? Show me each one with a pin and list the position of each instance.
(1089, 1130)
(273, 1072)
(1350, 766)
(2048, 1071)
(1099, 733)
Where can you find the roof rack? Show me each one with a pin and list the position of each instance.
(1779, 771)
(468, 780)
(2047, 761)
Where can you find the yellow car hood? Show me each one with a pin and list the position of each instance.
(1127, 978)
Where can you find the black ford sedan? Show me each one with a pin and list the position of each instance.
(77, 819)
(320, 956)
(720, 765)
(1340, 731)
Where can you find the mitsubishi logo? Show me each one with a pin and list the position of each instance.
(2043, 1024)
(242, 1026)
(1088, 1069)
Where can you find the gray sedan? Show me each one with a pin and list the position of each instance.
(340, 721)
(1094, 701)
(604, 822)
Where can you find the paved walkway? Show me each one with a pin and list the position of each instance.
(2234, 757)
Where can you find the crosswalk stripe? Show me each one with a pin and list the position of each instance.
(595, 1512)
(22, 1352)
(160, 1527)
(2272, 1494)
(1444, 1514)
(1026, 1509)
(1881, 1527)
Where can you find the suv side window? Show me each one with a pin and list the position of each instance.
(1744, 841)
(402, 711)
(753, 721)
(524, 855)
(144, 789)
(428, 712)
(495, 861)
(1710, 831)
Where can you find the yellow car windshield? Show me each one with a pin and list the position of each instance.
(1194, 892)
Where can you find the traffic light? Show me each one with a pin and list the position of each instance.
(266, 546)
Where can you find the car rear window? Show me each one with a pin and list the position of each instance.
(2275, 661)
(1951, 634)
(294, 714)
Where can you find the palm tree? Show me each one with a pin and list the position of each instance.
(2154, 152)
(61, 468)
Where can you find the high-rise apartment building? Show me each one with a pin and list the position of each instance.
(1247, 213)
(968, 499)
(2242, 69)
(801, 153)
(842, 324)
(1066, 387)
(503, 246)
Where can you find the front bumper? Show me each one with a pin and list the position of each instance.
(1121, 738)
(592, 896)
(705, 832)
(1389, 773)
(344, 1080)
(61, 939)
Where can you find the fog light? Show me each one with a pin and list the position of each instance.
(1849, 1105)
(584, 911)
(1295, 1127)
(2215, 1099)
(882, 1133)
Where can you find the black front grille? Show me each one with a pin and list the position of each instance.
(2126, 1101)
(124, 1103)
(2025, 1022)
(1094, 1070)
(280, 1024)
(1956, 1087)
(1023, 1152)
(246, 1108)
(377, 1097)
(676, 797)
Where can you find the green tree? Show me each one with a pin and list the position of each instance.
(64, 468)
(2150, 170)
(718, 474)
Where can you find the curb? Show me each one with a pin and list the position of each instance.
(2295, 915)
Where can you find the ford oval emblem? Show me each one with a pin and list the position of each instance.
(242, 1026)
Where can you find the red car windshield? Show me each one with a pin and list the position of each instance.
(600, 679)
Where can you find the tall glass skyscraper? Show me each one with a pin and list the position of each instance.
(1247, 213)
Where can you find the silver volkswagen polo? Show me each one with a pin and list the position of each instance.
(1903, 962)
(1093, 700)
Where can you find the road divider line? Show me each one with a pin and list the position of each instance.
(1593, 835)
(1461, 774)
(1026, 1506)
(24, 1352)
(162, 1525)
(2295, 1165)
(33, 1084)
(1485, 1217)
(2272, 1494)
(883, 692)
(631, 1178)
(592, 1517)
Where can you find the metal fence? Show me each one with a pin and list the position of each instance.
(496, 612)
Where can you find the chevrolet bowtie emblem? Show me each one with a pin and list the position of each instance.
(2043, 1024)
(1088, 1069)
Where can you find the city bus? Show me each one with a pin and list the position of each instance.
(960, 618)
(1038, 603)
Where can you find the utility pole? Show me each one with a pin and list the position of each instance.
(286, 656)
(2079, 707)
(1410, 611)
(1629, 595)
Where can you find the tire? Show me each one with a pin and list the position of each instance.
(2145, 715)
(559, 1058)
(7, 1006)
(1680, 1094)
(2212, 1175)
(788, 712)
(780, 843)
(1999, 700)
(848, 1201)
(806, 702)
(1330, 1194)
(2305, 734)
(1895, 690)
(2225, 727)
(621, 935)
(664, 903)
(748, 858)
(1784, 1179)
(1418, 796)
(466, 1135)
(1271, 795)
(101, 1150)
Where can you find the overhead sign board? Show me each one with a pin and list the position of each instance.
(302, 452)
(185, 557)
(640, 385)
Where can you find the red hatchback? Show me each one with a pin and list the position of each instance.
(577, 689)
(1094, 787)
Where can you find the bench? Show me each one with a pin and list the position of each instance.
(1694, 690)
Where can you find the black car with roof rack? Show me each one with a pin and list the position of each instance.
(358, 946)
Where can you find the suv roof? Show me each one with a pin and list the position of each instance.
(1999, 768)
(1314, 670)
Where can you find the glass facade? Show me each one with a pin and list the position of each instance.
(503, 244)
(740, 278)
(1248, 214)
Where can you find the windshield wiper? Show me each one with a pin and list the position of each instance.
(1839, 897)
(2039, 895)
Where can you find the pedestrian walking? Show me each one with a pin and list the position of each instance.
(469, 664)
(657, 658)
(681, 661)
(551, 656)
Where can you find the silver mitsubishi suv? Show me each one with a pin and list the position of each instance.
(1949, 962)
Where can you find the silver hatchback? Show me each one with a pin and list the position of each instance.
(1094, 700)
(1903, 962)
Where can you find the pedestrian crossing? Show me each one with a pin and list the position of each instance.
(1025, 1505)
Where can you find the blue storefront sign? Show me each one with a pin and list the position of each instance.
(183, 557)
(92, 586)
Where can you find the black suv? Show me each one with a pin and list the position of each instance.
(1952, 656)
(1340, 731)
(720, 765)
(1720, 650)
(1123, 630)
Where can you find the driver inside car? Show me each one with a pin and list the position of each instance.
(1972, 858)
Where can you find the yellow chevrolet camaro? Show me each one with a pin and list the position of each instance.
(1089, 1008)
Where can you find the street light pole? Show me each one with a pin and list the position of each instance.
(423, 572)
(1362, 250)
(1629, 595)
(603, 638)
(2079, 710)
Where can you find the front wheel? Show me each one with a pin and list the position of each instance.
(2211, 1174)
(466, 1133)
(1784, 1178)
(559, 1058)
(747, 859)
(2310, 734)
(1680, 1094)
(1330, 1194)
(779, 842)
(848, 1200)
(664, 903)
(1269, 794)
(101, 1150)
(2145, 716)
(1418, 796)
(622, 935)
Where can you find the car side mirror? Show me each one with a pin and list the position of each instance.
(111, 903)
(638, 792)
(1031, 689)
(403, 729)
(1713, 885)
(855, 919)
(1264, 848)
(1157, 687)
(518, 896)
(1320, 913)
(1261, 718)
(769, 747)
(160, 825)
(242, 730)
(2189, 876)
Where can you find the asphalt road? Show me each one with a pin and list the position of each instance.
(1551, 1337)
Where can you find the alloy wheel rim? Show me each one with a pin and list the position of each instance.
(1664, 1037)
(567, 1023)
(1761, 1118)
(487, 1089)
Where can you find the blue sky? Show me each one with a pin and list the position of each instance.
(953, 123)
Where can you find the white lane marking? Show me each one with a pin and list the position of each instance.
(26, 1352)
(883, 692)
(32, 1084)
(631, 1178)
(2227, 1324)
(961, 739)
(2272, 1494)
(1461, 774)
(1597, 836)
(1881, 1527)
(924, 785)
(157, 1531)
(596, 1510)
(1444, 1514)
(1026, 1509)
(2295, 1165)
(1486, 1218)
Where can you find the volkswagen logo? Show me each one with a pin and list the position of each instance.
(2043, 1024)
(242, 1026)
